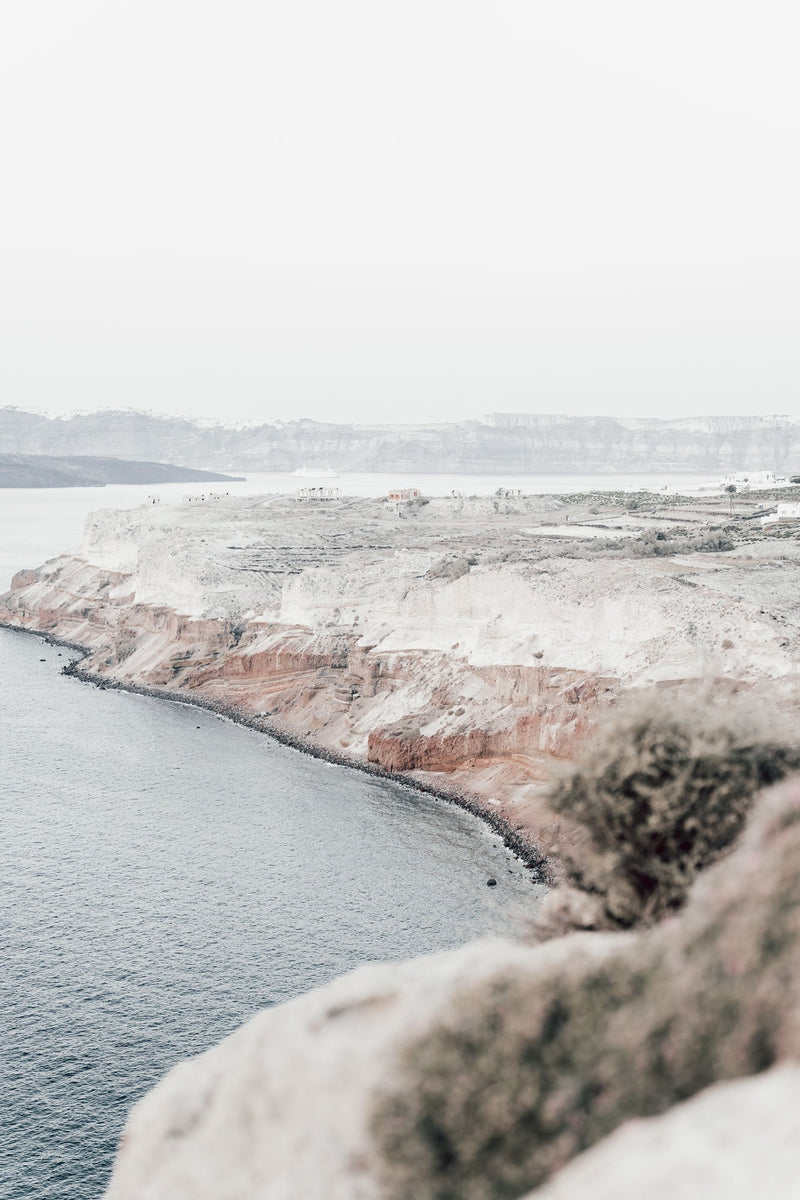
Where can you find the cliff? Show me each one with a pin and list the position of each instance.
(503, 443)
(455, 641)
(471, 644)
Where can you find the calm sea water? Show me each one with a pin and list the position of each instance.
(164, 874)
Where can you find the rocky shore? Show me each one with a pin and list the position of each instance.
(465, 645)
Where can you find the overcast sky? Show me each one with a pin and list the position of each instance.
(403, 211)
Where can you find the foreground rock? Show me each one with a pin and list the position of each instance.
(457, 641)
(735, 1140)
(480, 1073)
(282, 1108)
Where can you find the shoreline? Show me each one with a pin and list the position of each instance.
(528, 854)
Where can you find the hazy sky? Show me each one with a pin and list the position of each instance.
(400, 211)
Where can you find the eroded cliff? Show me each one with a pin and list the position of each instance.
(456, 640)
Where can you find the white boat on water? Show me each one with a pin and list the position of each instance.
(316, 473)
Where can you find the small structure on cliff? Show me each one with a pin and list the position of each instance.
(201, 497)
(317, 493)
(404, 495)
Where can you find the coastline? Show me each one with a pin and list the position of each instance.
(452, 647)
(528, 854)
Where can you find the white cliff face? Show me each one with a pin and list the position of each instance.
(171, 556)
(351, 569)
(640, 623)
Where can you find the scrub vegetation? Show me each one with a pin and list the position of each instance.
(528, 1069)
(662, 793)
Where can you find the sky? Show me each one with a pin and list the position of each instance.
(415, 211)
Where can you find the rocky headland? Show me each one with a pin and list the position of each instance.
(468, 644)
(473, 646)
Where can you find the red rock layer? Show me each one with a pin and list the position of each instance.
(490, 730)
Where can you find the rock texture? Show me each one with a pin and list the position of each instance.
(476, 1074)
(282, 1108)
(736, 1140)
(515, 1080)
(451, 640)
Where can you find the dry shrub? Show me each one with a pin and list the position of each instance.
(450, 568)
(663, 792)
(530, 1069)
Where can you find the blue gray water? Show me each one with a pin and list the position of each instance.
(165, 874)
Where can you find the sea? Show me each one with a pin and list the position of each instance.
(166, 873)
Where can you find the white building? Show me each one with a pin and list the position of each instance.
(404, 494)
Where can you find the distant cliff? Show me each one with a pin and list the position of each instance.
(502, 443)
(44, 470)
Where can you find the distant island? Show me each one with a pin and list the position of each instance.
(47, 471)
(499, 443)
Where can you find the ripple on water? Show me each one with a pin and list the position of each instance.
(166, 875)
